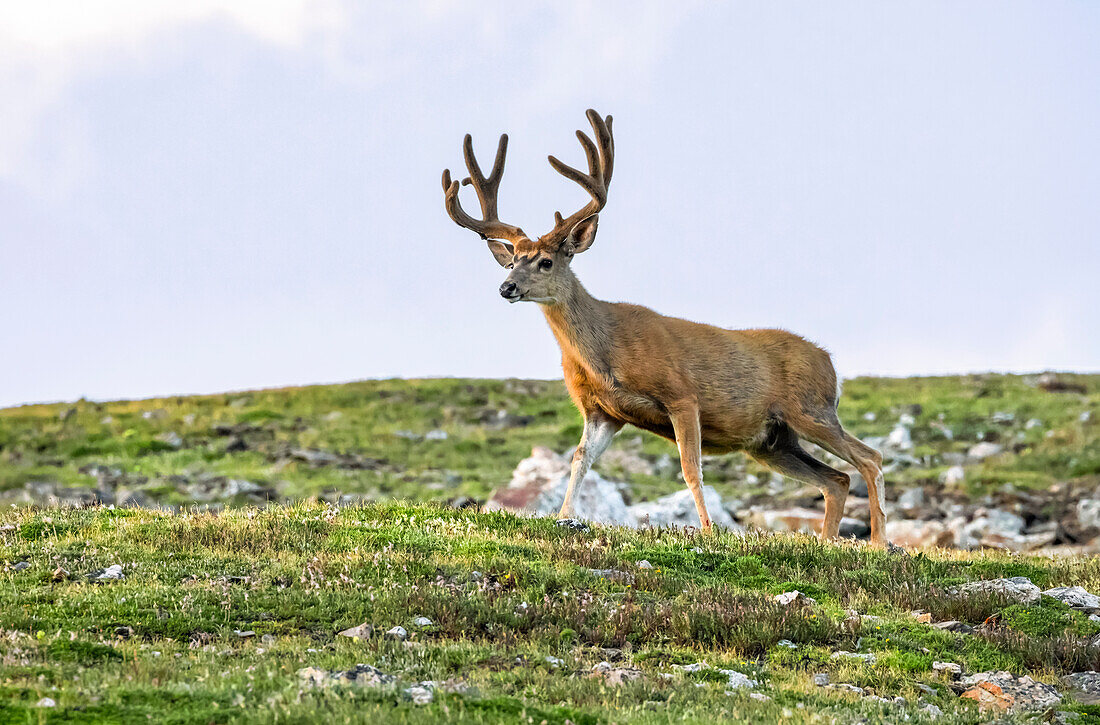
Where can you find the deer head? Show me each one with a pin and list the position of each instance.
(539, 268)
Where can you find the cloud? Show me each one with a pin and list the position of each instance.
(48, 47)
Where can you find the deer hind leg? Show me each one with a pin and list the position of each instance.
(689, 439)
(832, 437)
(783, 454)
(598, 432)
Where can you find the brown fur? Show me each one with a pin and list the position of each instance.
(703, 387)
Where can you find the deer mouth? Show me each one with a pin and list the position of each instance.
(512, 299)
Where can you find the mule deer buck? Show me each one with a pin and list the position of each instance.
(705, 388)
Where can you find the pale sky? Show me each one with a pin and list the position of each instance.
(208, 196)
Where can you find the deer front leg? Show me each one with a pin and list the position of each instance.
(598, 432)
(689, 439)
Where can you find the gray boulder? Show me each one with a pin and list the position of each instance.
(538, 488)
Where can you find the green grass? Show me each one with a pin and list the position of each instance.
(61, 443)
(163, 642)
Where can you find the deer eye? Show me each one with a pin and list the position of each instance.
(545, 264)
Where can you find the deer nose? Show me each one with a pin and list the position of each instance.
(508, 289)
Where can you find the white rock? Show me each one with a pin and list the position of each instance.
(692, 668)
(953, 476)
(46, 702)
(845, 687)
(984, 450)
(916, 534)
(422, 622)
(397, 632)
(435, 435)
(738, 680)
(1033, 423)
(538, 489)
(868, 658)
(948, 667)
(1018, 589)
(1088, 513)
(759, 696)
(994, 522)
(644, 564)
(420, 695)
(554, 661)
(113, 572)
(793, 597)
(1075, 597)
(678, 509)
(931, 710)
(911, 498)
(361, 631)
(900, 439)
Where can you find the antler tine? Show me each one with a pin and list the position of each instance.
(601, 160)
(489, 226)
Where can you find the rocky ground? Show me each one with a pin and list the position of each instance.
(426, 613)
(980, 461)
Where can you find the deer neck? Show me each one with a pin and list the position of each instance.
(582, 325)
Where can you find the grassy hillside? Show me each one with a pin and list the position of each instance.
(368, 438)
(230, 613)
(233, 617)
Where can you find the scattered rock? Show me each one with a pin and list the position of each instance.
(738, 680)
(916, 534)
(644, 564)
(244, 634)
(436, 435)
(575, 524)
(1084, 686)
(953, 476)
(950, 668)
(984, 450)
(821, 679)
(845, 687)
(538, 488)
(398, 633)
(794, 597)
(1018, 589)
(111, 573)
(1088, 513)
(900, 439)
(954, 626)
(867, 658)
(615, 675)
(1077, 598)
(553, 661)
(422, 622)
(360, 631)
(801, 520)
(20, 565)
(931, 710)
(1007, 692)
(912, 499)
(360, 675)
(678, 509)
(46, 702)
(786, 643)
(420, 695)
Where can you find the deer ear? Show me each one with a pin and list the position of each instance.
(583, 234)
(503, 251)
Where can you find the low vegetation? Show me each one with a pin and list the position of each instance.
(217, 615)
